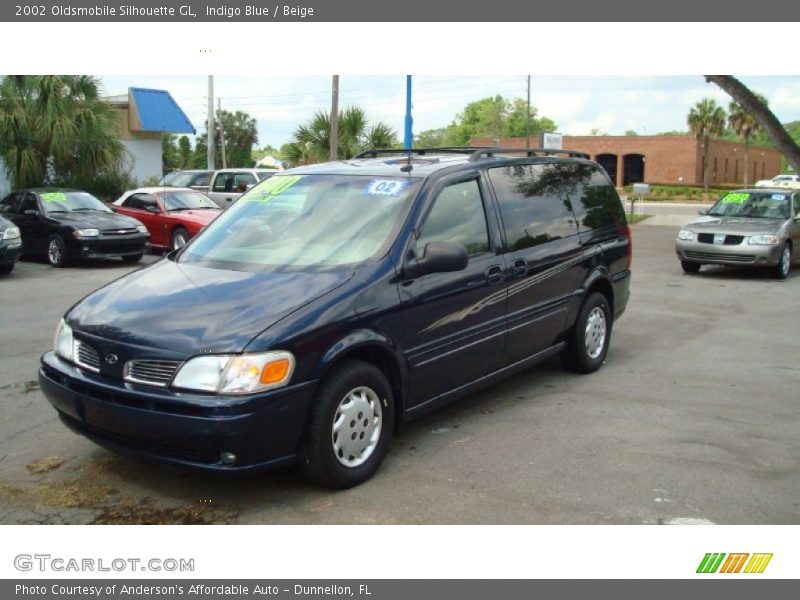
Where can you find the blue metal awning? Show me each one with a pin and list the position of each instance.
(156, 110)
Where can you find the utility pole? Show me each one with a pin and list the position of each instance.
(210, 125)
(528, 119)
(409, 136)
(334, 118)
(221, 135)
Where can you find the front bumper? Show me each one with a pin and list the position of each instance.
(10, 252)
(190, 430)
(109, 246)
(719, 254)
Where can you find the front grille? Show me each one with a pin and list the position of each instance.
(730, 240)
(151, 372)
(739, 258)
(86, 356)
(127, 231)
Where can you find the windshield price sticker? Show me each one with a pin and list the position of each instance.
(274, 186)
(53, 196)
(737, 198)
(385, 187)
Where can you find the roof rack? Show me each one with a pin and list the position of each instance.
(374, 153)
(530, 152)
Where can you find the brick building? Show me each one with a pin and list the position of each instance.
(675, 159)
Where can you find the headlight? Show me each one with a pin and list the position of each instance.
(12, 233)
(86, 233)
(236, 374)
(141, 229)
(685, 234)
(764, 240)
(63, 342)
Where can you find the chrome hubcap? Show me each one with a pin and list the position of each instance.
(180, 241)
(357, 426)
(785, 259)
(595, 334)
(54, 252)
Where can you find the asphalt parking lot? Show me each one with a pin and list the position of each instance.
(693, 419)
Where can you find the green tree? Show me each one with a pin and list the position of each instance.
(705, 119)
(744, 125)
(517, 111)
(310, 142)
(240, 137)
(185, 151)
(170, 155)
(55, 128)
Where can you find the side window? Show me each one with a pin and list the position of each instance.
(457, 216)
(9, 204)
(131, 201)
(223, 182)
(534, 203)
(141, 201)
(797, 205)
(28, 203)
(596, 204)
(242, 180)
(202, 179)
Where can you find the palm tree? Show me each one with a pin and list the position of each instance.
(56, 127)
(310, 142)
(705, 119)
(745, 125)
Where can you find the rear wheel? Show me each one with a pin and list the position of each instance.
(57, 251)
(179, 238)
(781, 270)
(588, 343)
(349, 426)
(690, 267)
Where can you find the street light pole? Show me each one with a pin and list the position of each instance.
(222, 136)
(334, 118)
(528, 118)
(210, 125)
(409, 136)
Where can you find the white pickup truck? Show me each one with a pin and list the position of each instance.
(227, 185)
(786, 180)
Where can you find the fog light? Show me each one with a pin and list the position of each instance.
(227, 458)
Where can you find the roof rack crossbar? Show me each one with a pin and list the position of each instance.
(530, 152)
(375, 152)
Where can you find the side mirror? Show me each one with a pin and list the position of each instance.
(702, 211)
(153, 209)
(31, 213)
(438, 257)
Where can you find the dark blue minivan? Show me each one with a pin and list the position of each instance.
(335, 301)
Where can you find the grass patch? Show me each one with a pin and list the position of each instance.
(636, 218)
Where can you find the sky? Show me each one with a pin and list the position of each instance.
(578, 104)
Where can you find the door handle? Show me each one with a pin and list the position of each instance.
(519, 267)
(494, 274)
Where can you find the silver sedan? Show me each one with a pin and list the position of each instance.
(752, 227)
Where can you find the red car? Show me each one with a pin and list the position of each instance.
(172, 216)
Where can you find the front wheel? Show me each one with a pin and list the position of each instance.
(349, 426)
(690, 267)
(57, 252)
(588, 342)
(781, 270)
(179, 238)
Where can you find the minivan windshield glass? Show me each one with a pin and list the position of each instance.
(767, 205)
(305, 221)
(55, 202)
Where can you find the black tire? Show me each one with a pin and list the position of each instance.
(6, 269)
(319, 459)
(690, 267)
(57, 252)
(179, 238)
(132, 259)
(578, 356)
(781, 270)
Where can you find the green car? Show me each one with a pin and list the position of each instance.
(10, 245)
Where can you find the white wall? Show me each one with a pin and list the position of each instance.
(145, 156)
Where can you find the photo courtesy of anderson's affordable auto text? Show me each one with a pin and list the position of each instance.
(343, 311)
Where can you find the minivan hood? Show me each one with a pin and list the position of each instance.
(738, 225)
(191, 309)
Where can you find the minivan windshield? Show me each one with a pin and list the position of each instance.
(767, 205)
(305, 221)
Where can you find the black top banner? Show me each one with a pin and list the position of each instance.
(404, 11)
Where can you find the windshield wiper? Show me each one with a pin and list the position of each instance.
(89, 209)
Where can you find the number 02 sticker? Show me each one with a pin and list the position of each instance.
(385, 187)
